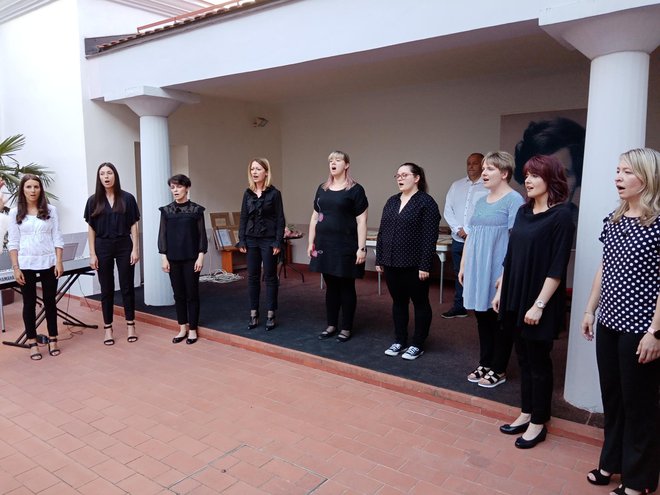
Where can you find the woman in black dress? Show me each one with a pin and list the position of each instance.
(337, 243)
(404, 251)
(626, 292)
(182, 244)
(531, 297)
(113, 215)
(261, 236)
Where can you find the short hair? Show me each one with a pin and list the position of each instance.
(645, 164)
(551, 170)
(419, 172)
(501, 160)
(179, 179)
(547, 137)
(266, 166)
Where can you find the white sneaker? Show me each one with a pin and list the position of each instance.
(394, 349)
(412, 353)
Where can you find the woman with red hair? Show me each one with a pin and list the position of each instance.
(531, 298)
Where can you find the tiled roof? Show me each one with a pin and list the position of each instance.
(177, 22)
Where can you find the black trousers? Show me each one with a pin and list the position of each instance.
(404, 285)
(495, 341)
(630, 402)
(109, 252)
(536, 380)
(260, 251)
(340, 295)
(185, 285)
(29, 291)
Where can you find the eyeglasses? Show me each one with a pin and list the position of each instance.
(403, 176)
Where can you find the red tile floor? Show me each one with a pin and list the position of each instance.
(233, 416)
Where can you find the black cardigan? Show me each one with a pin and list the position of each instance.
(262, 217)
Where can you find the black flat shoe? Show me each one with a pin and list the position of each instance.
(521, 443)
(599, 478)
(514, 430)
(176, 340)
(344, 336)
(254, 321)
(190, 341)
(327, 333)
(270, 323)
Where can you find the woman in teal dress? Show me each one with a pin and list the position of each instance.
(481, 265)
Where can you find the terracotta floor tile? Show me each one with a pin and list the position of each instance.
(128, 420)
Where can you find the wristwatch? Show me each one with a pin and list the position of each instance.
(540, 304)
(363, 249)
(654, 332)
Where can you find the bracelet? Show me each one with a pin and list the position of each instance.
(15, 267)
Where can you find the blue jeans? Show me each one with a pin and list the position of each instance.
(456, 255)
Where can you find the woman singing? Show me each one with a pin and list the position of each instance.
(113, 215)
(626, 293)
(404, 251)
(337, 243)
(35, 248)
(532, 296)
(261, 236)
(481, 265)
(182, 244)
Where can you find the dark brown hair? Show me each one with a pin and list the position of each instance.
(98, 204)
(551, 170)
(42, 201)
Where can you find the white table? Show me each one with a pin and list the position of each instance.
(441, 248)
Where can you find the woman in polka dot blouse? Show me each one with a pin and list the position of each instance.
(404, 251)
(626, 293)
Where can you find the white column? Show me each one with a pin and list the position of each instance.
(155, 170)
(154, 105)
(616, 122)
(617, 40)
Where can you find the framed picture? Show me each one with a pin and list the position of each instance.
(221, 220)
(224, 238)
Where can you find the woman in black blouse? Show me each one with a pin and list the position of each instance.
(113, 215)
(337, 243)
(404, 251)
(261, 236)
(531, 297)
(626, 292)
(182, 244)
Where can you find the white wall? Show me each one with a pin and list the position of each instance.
(221, 140)
(435, 125)
(41, 99)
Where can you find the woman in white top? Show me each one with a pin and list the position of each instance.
(35, 248)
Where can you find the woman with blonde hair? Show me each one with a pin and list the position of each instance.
(261, 236)
(338, 243)
(481, 265)
(626, 293)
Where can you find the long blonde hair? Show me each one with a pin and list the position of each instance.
(266, 165)
(350, 182)
(645, 164)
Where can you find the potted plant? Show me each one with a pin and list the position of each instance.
(11, 172)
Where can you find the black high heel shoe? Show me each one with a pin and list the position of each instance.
(599, 478)
(111, 340)
(35, 356)
(53, 352)
(254, 321)
(521, 443)
(270, 321)
(514, 430)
